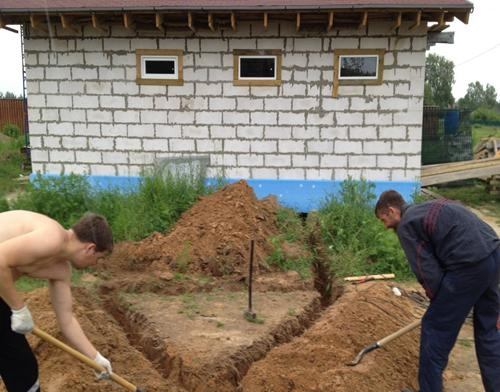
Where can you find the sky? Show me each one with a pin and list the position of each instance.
(475, 53)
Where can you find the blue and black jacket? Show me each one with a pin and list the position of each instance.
(442, 235)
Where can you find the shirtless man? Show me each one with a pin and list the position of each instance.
(37, 246)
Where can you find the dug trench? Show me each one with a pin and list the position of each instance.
(169, 313)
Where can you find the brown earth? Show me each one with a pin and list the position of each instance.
(169, 311)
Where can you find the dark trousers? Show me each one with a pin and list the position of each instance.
(473, 287)
(18, 365)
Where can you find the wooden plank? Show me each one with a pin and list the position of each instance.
(456, 171)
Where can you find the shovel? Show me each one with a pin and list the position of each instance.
(93, 364)
(383, 341)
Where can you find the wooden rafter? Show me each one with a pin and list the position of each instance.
(159, 22)
(297, 26)
(67, 23)
(364, 20)
(266, 21)
(418, 20)
(128, 21)
(211, 21)
(233, 21)
(330, 21)
(397, 23)
(36, 24)
(97, 23)
(441, 24)
(190, 22)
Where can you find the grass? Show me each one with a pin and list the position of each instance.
(483, 131)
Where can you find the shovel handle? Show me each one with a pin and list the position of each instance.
(78, 355)
(400, 332)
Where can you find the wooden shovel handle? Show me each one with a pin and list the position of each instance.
(78, 355)
(400, 332)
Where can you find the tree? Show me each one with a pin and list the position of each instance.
(439, 79)
(9, 95)
(478, 96)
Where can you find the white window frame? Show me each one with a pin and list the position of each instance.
(239, 80)
(144, 55)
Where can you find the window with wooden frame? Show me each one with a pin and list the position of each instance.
(257, 67)
(357, 66)
(159, 66)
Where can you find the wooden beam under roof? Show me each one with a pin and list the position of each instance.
(190, 22)
(36, 24)
(330, 21)
(233, 21)
(211, 21)
(266, 20)
(128, 21)
(441, 25)
(67, 24)
(97, 23)
(397, 23)
(364, 20)
(418, 20)
(159, 22)
(297, 26)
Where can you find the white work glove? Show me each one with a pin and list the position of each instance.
(21, 320)
(105, 364)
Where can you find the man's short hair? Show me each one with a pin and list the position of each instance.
(94, 228)
(390, 198)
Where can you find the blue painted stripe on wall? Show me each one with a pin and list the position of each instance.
(301, 195)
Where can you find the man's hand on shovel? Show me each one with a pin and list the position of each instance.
(106, 364)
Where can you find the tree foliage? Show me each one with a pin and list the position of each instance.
(439, 79)
(477, 96)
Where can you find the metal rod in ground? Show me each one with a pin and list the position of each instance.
(249, 313)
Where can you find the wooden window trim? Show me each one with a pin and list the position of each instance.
(357, 52)
(256, 82)
(139, 53)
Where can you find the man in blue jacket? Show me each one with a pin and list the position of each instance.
(456, 258)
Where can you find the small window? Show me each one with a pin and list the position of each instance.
(357, 66)
(257, 68)
(159, 67)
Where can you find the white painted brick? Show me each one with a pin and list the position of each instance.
(89, 45)
(294, 60)
(304, 103)
(86, 129)
(402, 89)
(355, 174)
(419, 43)
(141, 158)
(377, 147)
(132, 102)
(152, 117)
(60, 128)
(290, 118)
(185, 89)
(219, 75)
(364, 104)
(114, 130)
(250, 132)
(53, 168)
(374, 43)
(208, 60)
(309, 132)
(223, 160)
(238, 172)
(379, 119)
(116, 44)
(356, 161)
(392, 132)
(377, 174)
(195, 75)
(76, 168)
(37, 128)
(294, 146)
(308, 160)
(319, 146)
(74, 142)
(122, 143)
(170, 43)
(60, 101)
(398, 175)
(213, 45)
(307, 44)
(140, 130)
(320, 118)
(346, 118)
(265, 173)
(413, 117)
(127, 59)
(125, 116)
(415, 133)
(252, 160)
(369, 132)
(38, 155)
(195, 132)
(37, 101)
(236, 146)
(412, 175)
(228, 90)
(48, 115)
(269, 43)
(323, 60)
(345, 43)
(72, 115)
(194, 103)
(292, 174)
(346, 147)
(101, 143)
(333, 160)
(154, 145)
(345, 90)
(306, 75)
(208, 145)
(414, 162)
(222, 132)
(407, 147)
(181, 145)
(112, 157)
(208, 117)
(271, 132)
(336, 104)
(115, 73)
(127, 88)
(216, 103)
(73, 58)
(278, 104)
(264, 118)
(51, 86)
(102, 170)
(210, 89)
(52, 142)
(175, 117)
(167, 131)
(393, 104)
(167, 103)
(250, 103)
(391, 161)
(412, 59)
(233, 117)
(319, 174)
(264, 146)
(69, 87)
(295, 89)
(400, 43)
(61, 156)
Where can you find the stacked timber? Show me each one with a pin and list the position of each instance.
(489, 147)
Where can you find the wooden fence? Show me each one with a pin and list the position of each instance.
(12, 112)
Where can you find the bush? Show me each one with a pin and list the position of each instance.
(11, 130)
(486, 116)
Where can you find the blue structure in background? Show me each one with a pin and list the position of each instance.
(301, 195)
(451, 121)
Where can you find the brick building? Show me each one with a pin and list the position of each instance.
(293, 96)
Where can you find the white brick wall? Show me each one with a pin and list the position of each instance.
(88, 115)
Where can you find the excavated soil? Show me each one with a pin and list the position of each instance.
(169, 311)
